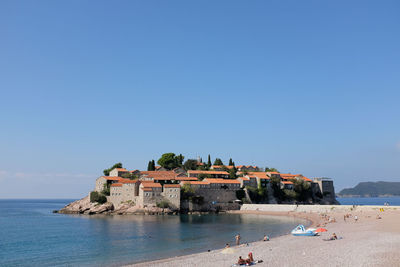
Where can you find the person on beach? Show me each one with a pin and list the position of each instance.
(237, 237)
(333, 237)
(227, 245)
(241, 261)
(250, 258)
(266, 238)
(355, 218)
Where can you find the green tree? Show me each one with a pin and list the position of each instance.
(106, 189)
(257, 195)
(96, 197)
(290, 194)
(116, 165)
(202, 176)
(271, 169)
(209, 161)
(163, 204)
(276, 187)
(130, 176)
(169, 161)
(150, 166)
(232, 173)
(230, 162)
(218, 162)
(186, 192)
(240, 194)
(190, 164)
(180, 159)
(302, 189)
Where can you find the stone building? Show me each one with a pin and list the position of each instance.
(172, 194)
(104, 180)
(212, 174)
(248, 181)
(118, 172)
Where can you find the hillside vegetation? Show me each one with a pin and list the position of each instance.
(373, 189)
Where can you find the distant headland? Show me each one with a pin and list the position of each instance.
(372, 189)
(178, 186)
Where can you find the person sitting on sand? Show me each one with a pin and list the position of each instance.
(266, 238)
(227, 245)
(333, 237)
(241, 261)
(378, 216)
(250, 258)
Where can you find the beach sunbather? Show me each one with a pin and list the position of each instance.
(333, 237)
(266, 238)
(241, 261)
(250, 258)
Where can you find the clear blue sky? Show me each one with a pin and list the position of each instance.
(309, 87)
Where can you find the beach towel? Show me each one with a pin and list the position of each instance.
(328, 239)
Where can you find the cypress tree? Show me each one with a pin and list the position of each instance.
(218, 162)
(209, 161)
(149, 166)
(230, 162)
(153, 165)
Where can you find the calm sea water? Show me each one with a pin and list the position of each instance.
(30, 235)
(393, 201)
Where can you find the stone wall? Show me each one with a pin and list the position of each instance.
(217, 195)
(173, 196)
(100, 184)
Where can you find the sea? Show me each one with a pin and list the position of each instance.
(373, 201)
(31, 235)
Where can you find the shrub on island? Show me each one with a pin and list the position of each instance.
(96, 197)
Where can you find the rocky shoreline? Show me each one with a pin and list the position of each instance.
(84, 206)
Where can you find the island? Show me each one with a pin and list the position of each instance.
(175, 186)
(372, 189)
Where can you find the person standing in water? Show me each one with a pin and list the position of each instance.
(237, 237)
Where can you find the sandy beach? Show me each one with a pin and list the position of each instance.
(367, 242)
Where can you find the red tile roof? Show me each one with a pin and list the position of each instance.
(128, 181)
(286, 182)
(172, 185)
(196, 182)
(116, 184)
(120, 169)
(208, 172)
(221, 181)
(112, 178)
(307, 179)
(186, 179)
(221, 166)
(244, 178)
(261, 175)
(160, 175)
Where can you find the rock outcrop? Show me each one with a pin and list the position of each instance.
(84, 206)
